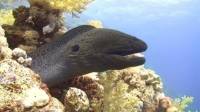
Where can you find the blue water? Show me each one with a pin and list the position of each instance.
(172, 30)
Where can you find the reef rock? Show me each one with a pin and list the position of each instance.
(134, 89)
(20, 88)
(5, 52)
(87, 84)
(76, 100)
(16, 84)
(33, 26)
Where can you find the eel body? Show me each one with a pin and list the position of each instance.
(86, 49)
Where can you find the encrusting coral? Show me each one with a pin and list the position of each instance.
(21, 88)
(94, 90)
(76, 100)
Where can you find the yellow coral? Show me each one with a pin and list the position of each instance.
(116, 96)
(70, 6)
(6, 17)
(96, 23)
(182, 103)
(7, 1)
(133, 89)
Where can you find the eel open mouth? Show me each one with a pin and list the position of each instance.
(123, 59)
(129, 56)
(128, 53)
(139, 55)
(133, 50)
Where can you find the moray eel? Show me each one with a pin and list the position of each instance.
(86, 49)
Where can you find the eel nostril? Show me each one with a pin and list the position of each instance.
(75, 48)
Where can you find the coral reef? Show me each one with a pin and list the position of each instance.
(87, 83)
(21, 88)
(40, 23)
(21, 57)
(94, 90)
(95, 23)
(33, 27)
(70, 6)
(182, 103)
(6, 14)
(75, 100)
(134, 89)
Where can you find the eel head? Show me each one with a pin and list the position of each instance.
(104, 49)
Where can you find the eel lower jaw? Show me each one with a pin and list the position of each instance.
(132, 57)
(136, 55)
(128, 60)
(128, 54)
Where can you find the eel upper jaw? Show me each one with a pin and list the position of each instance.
(128, 53)
(130, 57)
(133, 51)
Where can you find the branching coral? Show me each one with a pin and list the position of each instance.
(131, 90)
(6, 17)
(116, 97)
(95, 23)
(182, 103)
(70, 6)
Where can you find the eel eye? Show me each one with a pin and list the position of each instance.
(75, 48)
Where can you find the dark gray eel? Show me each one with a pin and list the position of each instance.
(86, 49)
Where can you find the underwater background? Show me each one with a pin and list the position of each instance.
(171, 30)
